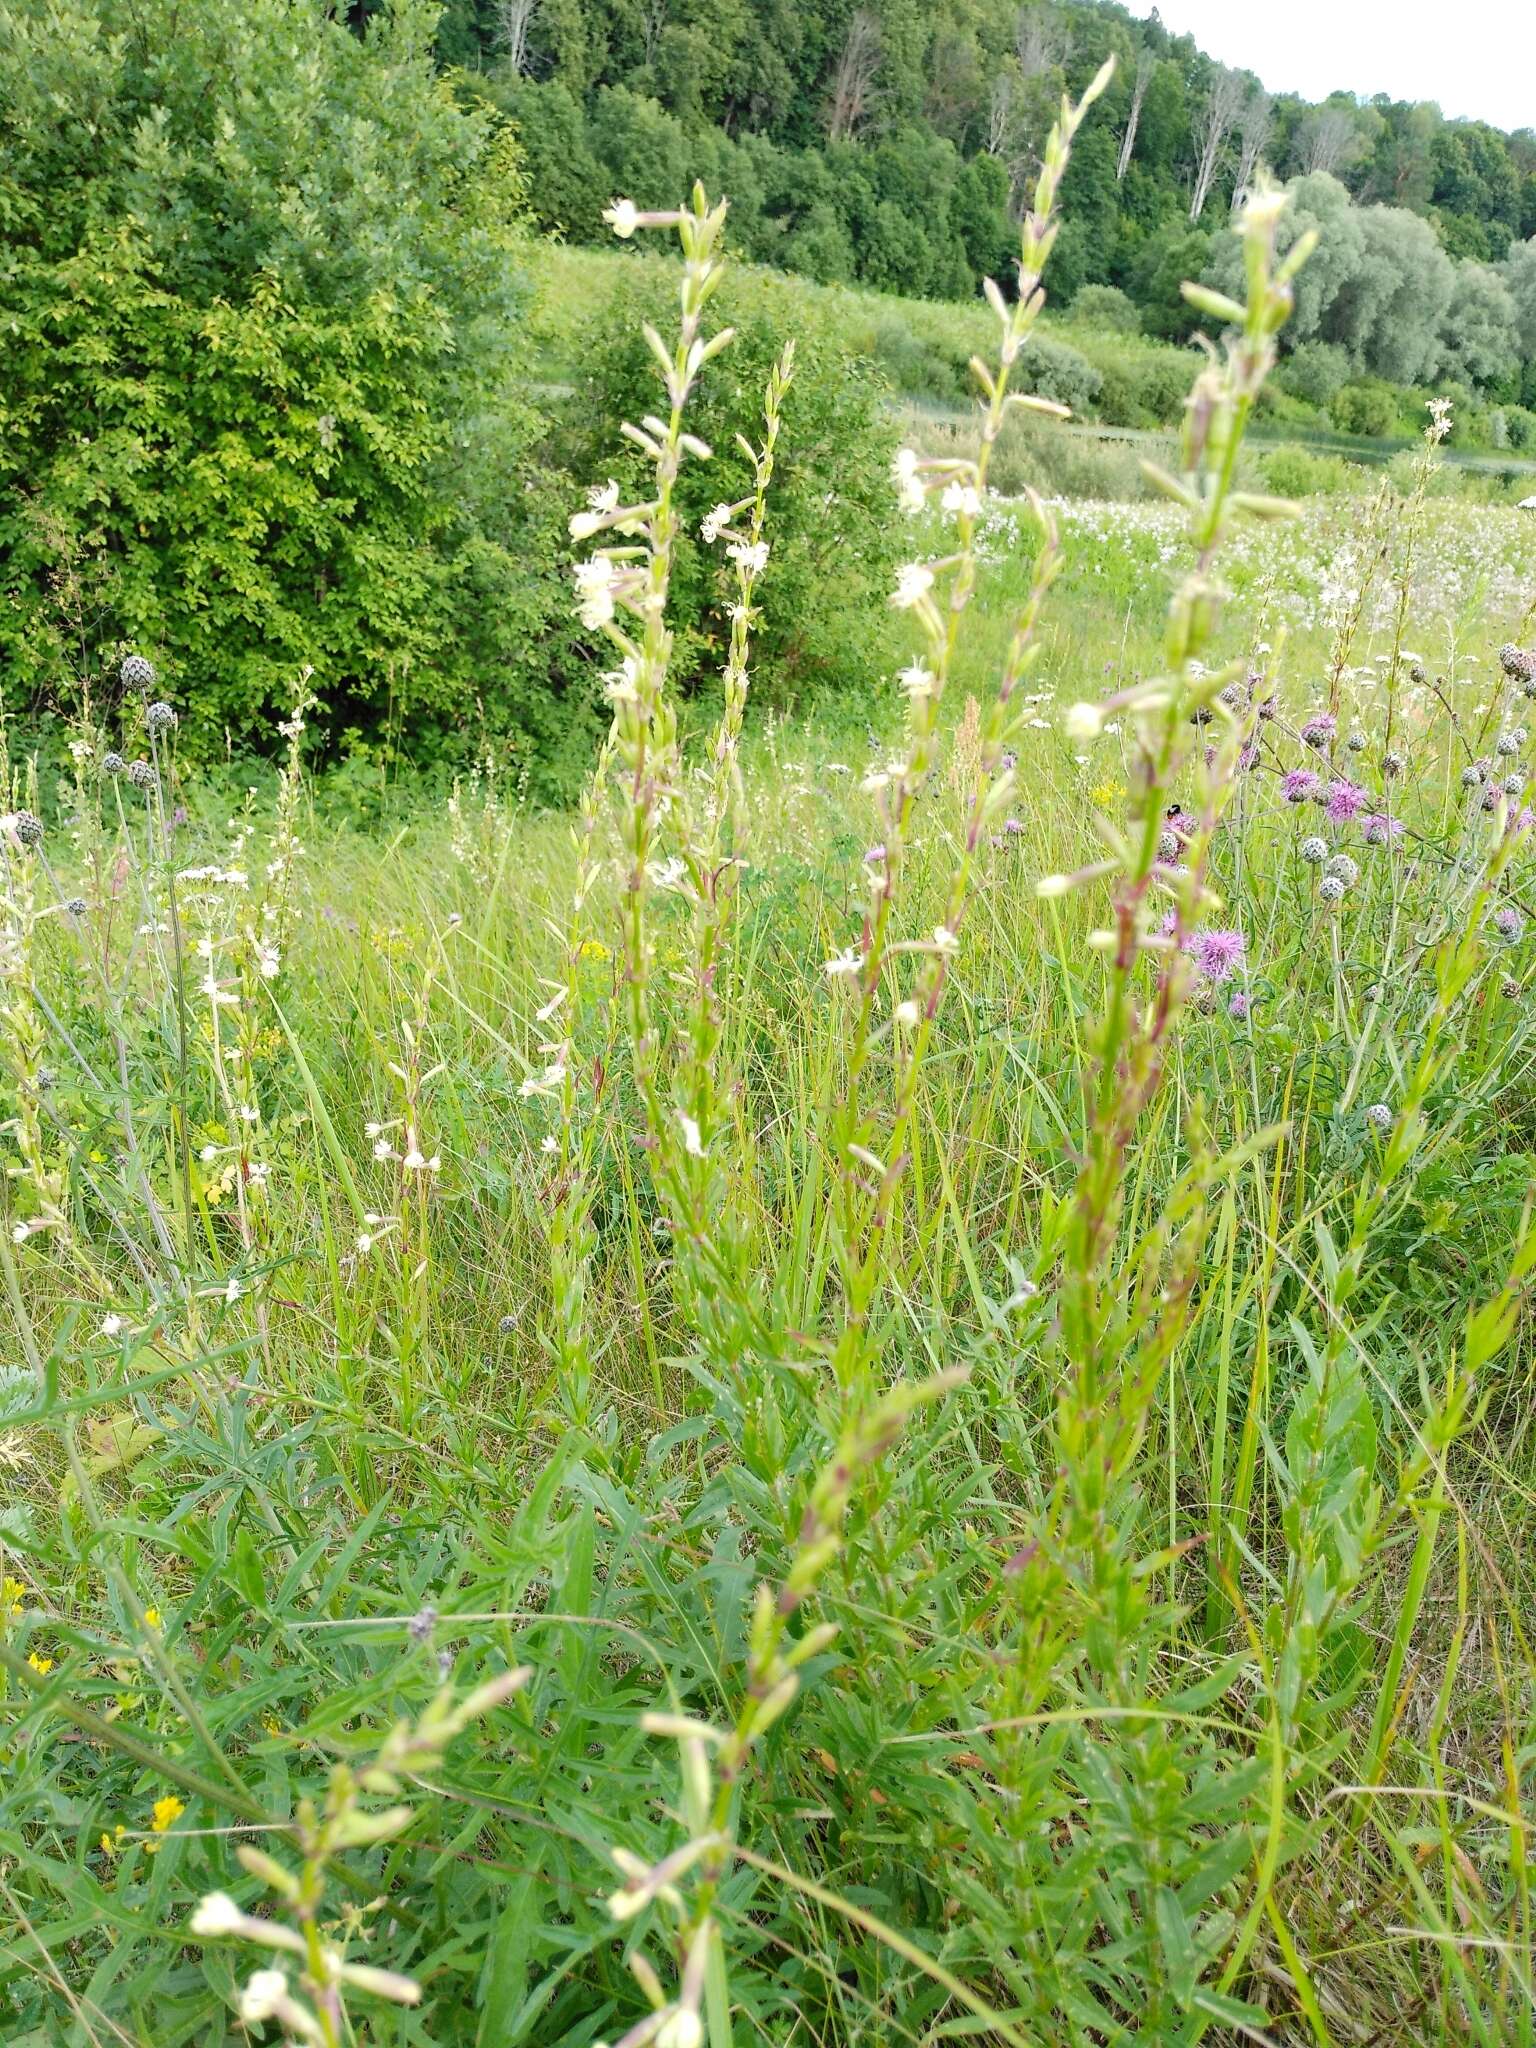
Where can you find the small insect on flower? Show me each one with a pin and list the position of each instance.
(136, 672)
(1379, 1117)
(1313, 850)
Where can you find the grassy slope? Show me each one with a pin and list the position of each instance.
(405, 1391)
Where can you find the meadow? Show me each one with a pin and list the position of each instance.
(874, 1389)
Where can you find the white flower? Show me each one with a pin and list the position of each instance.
(382, 1150)
(262, 1996)
(207, 1153)
(918, 681)
(232, 1290)
(623, 216)
(693, 1143)
(751, 555)
(904, 475)
(964, 498)
(944, 940)
(267, 960)
(680, 2029)
(846, 963)
(913, 583)
(114, 1326)
(217, 1914)
(20, 1232)
(604, 497)
(594, 591)
(364, 1244)
(1084, 722)
(713, 524)
(256, 1173)
(908, 1013)
(549, 1143)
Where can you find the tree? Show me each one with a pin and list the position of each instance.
(513, 19)
(1253, 136)
(1213, 125)
(1328, 140)
(1146, 65)
(1480, 333)
(853, 80)
(262, 313)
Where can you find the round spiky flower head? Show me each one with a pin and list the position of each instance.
(1313, 850)
(1507, 922)
(1513, 783)
(1509, 988)
(1416, 672)
(1331, 889)
(1506, 744)
(1379, 1116)
(507, 1325)
(1356, 743)
(1391, 764)
(1472, 775)
(28, 828)
(113, 763)
(1342, 868)
(1167, 846)
(77, 906)
(1516, 662)
(141, 775)
(136, 672)
(160, 717)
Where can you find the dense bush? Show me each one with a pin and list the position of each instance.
(1316, 372)
(1106, 308)
(835, 536)
(1365, 409)
(262, 311)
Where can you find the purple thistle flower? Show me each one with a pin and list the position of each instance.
(1317, 732)
(1218, 953)
(1300, 784)
(1379, 829)
(1345, 800)
(1238, 1007)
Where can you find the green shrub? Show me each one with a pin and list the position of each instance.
(1293, 472)
(1142, 386)
(1316, 371)
(1106, 308)
(835, 533)
(1053, 369)
(262, 310)
(1369, 409)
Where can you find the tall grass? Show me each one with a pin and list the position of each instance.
(856, 1400)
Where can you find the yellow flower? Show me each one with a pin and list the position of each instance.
(110, 1844)
(594, 949)
(1106, 793)
(167, 1812)
(41, 1665)
(151, 1617)
(11, 1589)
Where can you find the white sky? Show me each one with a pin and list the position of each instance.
(1476, 57)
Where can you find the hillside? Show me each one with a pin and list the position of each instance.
(891, 145)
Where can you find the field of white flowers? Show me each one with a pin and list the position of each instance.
(876, 1391)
